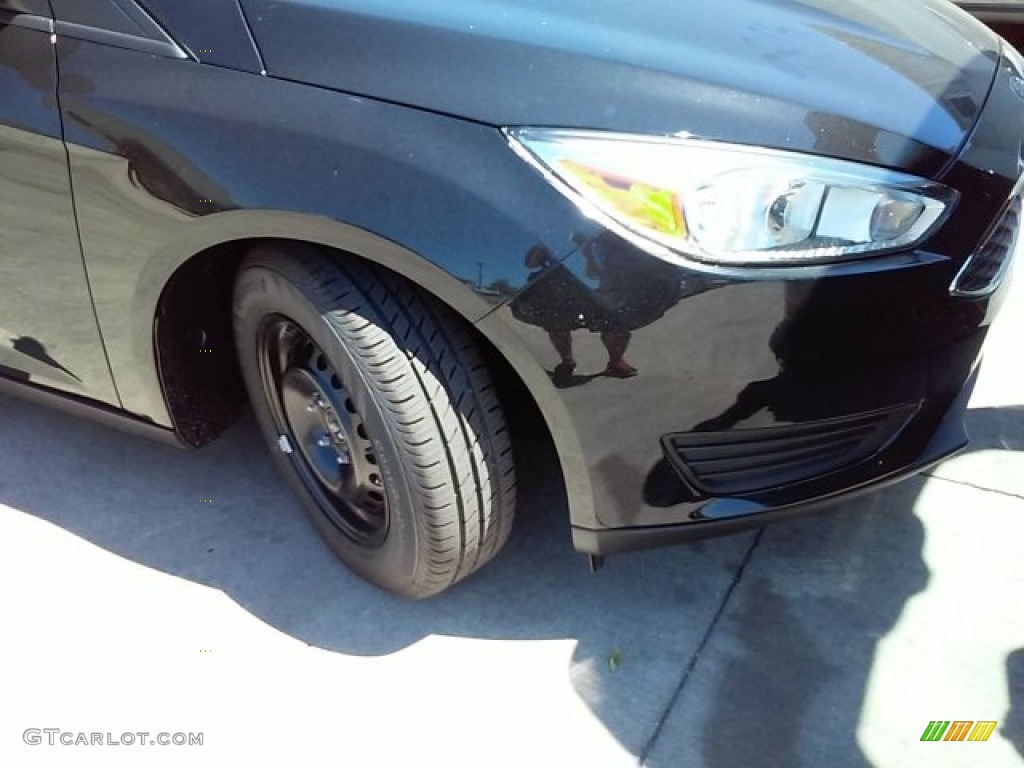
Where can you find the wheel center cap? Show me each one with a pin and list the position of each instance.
(319, 428)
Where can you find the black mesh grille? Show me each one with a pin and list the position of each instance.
(984, 269)
(746, 460)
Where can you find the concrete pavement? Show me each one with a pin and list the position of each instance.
(144, 589)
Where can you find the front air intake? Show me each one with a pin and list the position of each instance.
(983, 271)
(743, 461)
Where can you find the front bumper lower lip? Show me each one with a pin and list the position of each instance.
(729, 515)
(743, 515)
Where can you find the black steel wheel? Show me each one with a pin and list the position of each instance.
(380, 413)
(321, 431)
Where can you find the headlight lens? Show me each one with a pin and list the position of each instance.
(738, 205)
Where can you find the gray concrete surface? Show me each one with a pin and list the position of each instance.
(148, 589)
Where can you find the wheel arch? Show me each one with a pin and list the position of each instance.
(211, 249)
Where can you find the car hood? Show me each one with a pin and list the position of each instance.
(892, 82)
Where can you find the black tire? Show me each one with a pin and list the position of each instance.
(396, 384)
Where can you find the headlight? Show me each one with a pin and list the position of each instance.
(738, 205)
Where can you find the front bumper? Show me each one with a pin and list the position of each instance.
(723, 515)
(856, 375)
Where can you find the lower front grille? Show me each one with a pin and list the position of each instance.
(742, 461)
(983, 271)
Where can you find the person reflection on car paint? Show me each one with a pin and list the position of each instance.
(631, 293)
(604, 265)
(560, 303)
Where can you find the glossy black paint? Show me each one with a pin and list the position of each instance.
(213, 31)
(47, 327)
(175, 160)
(102, 14)
(763, 73)
(118, 23)
(39, 8)
(760, 352)
(158, 183)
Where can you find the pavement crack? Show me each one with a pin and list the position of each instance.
(692, 663)
(975, 486)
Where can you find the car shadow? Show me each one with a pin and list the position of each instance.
(803, 632)
(221, 517)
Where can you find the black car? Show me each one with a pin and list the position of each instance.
(734, 259)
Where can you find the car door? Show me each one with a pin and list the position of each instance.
(48, 330)
(147, 143)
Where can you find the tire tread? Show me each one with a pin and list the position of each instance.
(428, 376)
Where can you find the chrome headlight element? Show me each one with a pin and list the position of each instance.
(737, 205)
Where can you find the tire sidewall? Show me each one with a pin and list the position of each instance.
(261, 292)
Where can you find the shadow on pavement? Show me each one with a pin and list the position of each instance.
(221, 517)
(802, 637)
(802, 630)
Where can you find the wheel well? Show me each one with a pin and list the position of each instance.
(540, 477)
(202, 384)
(195, 346)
